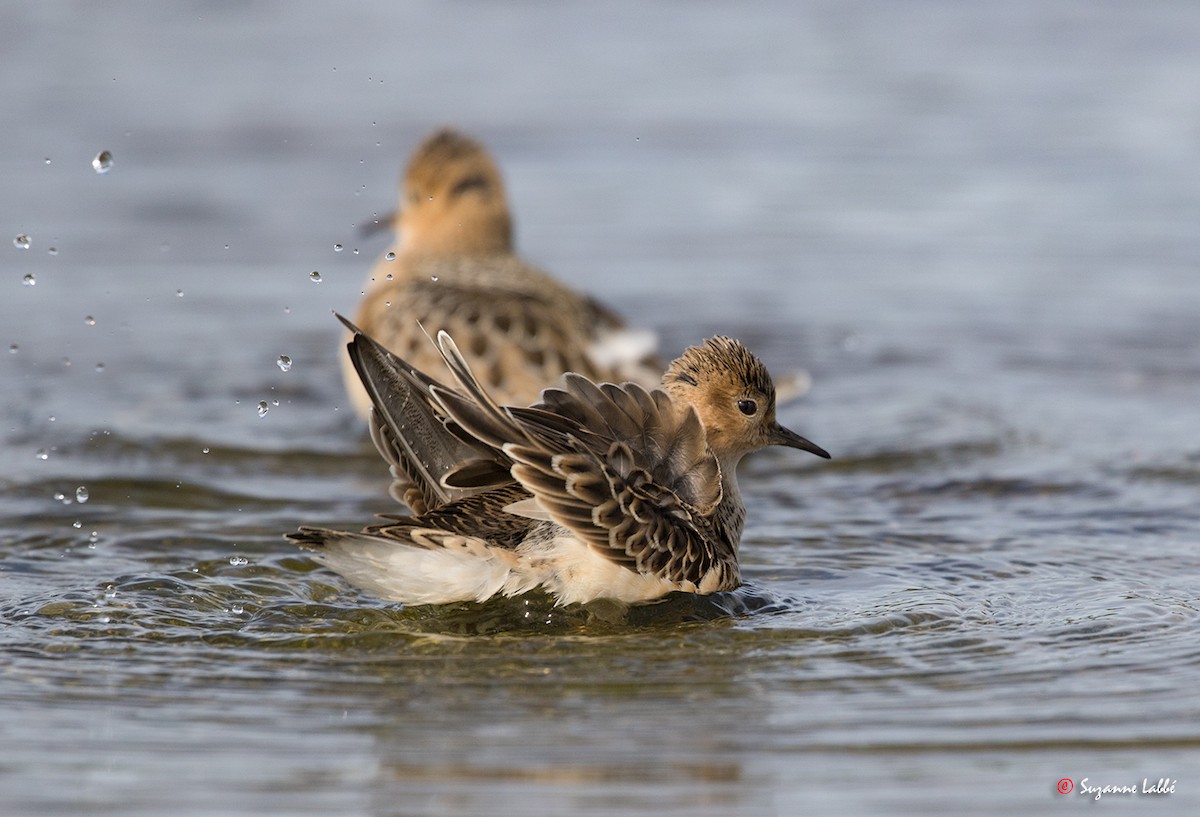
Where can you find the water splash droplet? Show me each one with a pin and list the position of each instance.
(237, 609)
(99, 367)
(43, 454)
(89, 320)
(52, 250)
(315, 277)
(103, 162)
(22, 242)
(179, 293)
(47, 160)
(433, 278)
(204, 450)
(81, 494)
(263, 408)
(77, 525)
(391, 256)
(284, 363)
(12, 350)
(338, 248)
(29, 280)
(356, 250)
(238, 561)
(389, 277)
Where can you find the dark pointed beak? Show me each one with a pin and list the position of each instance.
(378, 224)
(778, 435)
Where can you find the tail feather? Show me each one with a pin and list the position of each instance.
(432, 567)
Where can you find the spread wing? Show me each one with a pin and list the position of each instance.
(411, 431)
(626, 469)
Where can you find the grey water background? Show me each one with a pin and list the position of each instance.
(974, 224)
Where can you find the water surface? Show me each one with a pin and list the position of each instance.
(974, 225)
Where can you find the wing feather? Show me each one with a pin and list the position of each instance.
(409, 427)
(625, 469)
(637, 483)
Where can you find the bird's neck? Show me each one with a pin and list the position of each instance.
(471, 232)
(730, 516)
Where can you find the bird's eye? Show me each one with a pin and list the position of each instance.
(748, 407)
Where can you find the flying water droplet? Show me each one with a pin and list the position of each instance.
(391, 256)
(43, 454)
(22, 242)
(433, 278)
(263, 408)
(89, 320)
(29, 280)
(238, 561)
(315, 277)
(237, 609)
(77, 524)
(52, 250)
(81, 494)
(12, 350)
(179, 293)
(204, 450)
(103, 162)
(338, 248)
(284, 363)
(99, 367)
